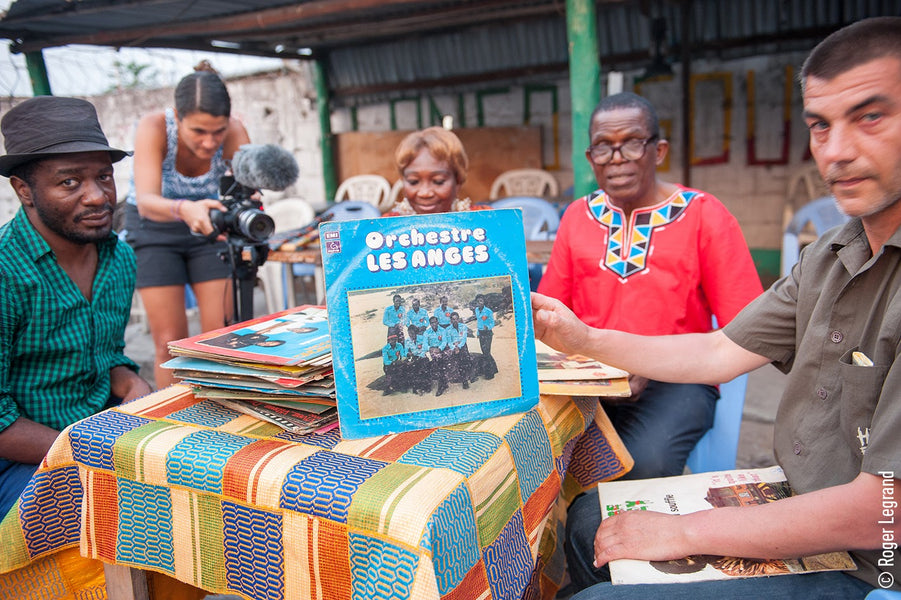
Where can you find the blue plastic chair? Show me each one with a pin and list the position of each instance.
(717, 450)
(883, 595)
(822, 214)
(540, 220)
(349, 210)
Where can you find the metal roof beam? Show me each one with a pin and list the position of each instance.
(247, 21)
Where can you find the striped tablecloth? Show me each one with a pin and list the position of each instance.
(183, 486)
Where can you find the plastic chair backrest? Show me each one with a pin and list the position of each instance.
(524, 182)
(718, 448)
(883, 595)
(540, 218)
(397, 191)
(353, 209)
(373, 189)
(822, 214)
(290, 213)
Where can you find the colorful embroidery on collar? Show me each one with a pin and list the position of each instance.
(627, 247)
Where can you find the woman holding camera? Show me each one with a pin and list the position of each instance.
(179, 158)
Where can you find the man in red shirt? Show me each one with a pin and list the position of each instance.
(653, 258)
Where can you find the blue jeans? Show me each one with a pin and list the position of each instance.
(812, 586)
(660, 431)
(13, 479)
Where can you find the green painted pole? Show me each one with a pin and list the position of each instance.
(584, 85)
(325, 127)
(37, 72)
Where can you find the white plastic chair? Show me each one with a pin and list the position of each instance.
(277, 280)
(373, 189)
(524, 182)
(821, 214)
(397, 191)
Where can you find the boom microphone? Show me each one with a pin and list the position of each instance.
(264, 166)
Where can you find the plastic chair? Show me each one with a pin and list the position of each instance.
(883, 595)
(397, 191)
(524, 182)
(277, 281)
(540, 220)
(373, 189)
(716, 451)
(821, 214)
(352, 209)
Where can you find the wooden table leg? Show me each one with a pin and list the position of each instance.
(125, 583)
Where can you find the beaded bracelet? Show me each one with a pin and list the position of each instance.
(175, 208)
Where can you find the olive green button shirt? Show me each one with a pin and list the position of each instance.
(836, 418)
(56, 347)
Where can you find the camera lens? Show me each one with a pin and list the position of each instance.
(255, 224)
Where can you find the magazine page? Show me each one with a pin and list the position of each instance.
(702, 491)
(290, 337)
(430, 318)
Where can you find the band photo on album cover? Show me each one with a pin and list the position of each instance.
(434, 345)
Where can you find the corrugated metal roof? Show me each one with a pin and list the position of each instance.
(376, 49)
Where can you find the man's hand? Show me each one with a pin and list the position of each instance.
(640, 535)
(557, 326)
(126, 384)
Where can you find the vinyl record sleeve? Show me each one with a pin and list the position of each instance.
(459, 256)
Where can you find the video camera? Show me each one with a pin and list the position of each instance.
(254, 167)
(243, 216)
(247, 227)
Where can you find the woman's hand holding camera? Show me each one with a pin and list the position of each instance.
(196, 215)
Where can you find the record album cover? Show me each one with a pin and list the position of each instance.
(430, 320)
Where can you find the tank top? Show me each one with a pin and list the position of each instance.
(178, 186)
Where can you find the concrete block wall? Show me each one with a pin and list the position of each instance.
(276, 108)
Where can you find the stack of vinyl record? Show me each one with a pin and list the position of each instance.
(562, 374)
(277, 368)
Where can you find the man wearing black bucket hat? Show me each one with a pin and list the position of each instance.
(65, 284)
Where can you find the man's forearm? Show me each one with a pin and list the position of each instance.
(844, 517)
(709, 358)
(26, 441)
(690, 358)
(126, 384)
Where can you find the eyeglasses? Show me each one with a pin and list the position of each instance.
(602, 153)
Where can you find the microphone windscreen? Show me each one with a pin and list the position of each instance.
(264, 166)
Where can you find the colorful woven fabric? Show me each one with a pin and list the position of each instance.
(179, 485)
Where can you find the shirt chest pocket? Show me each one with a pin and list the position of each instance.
(861, 390)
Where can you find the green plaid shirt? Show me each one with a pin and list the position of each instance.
(56, 348)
